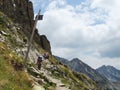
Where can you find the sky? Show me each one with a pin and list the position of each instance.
(86, 29)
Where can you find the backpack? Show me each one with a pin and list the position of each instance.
(39, 59)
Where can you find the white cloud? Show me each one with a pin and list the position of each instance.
(89, 31)
(103, 3)
(97, 62)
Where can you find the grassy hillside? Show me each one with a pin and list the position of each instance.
(10, 79)
(12, 76)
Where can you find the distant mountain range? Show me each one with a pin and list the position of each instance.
(97, 75)
(110, 73)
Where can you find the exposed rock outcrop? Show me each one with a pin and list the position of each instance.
(110, 72)
(45, 43)
(21, 12)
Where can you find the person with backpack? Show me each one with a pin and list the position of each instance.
(39, 62)
(46, 55)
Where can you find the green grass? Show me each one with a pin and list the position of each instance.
(2, 20)
(9, 78)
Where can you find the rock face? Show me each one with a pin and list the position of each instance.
(79, 66)
(21, 12)
(110, 73)
(45, 44)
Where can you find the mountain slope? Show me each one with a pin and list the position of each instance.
(10, 77)
(13, 46)
(78, 66)
(110, 73)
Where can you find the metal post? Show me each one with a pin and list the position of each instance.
(31, 38)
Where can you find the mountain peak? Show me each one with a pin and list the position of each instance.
(107, 67)
(110, 72)
(76, 59)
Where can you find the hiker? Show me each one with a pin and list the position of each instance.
(46, 55)
(39, 62)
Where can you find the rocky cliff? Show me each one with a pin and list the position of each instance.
(21, 12)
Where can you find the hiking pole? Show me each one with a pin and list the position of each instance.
(38, 17)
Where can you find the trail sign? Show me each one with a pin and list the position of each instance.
(38, 17)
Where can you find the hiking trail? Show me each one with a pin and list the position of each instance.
(46, 73)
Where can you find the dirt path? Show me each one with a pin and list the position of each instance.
(59, 84)
(47, 74)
